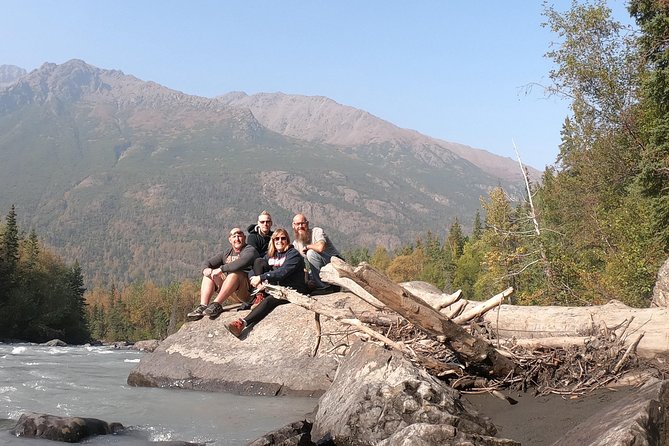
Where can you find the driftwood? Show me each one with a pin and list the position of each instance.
(347, 318)
(476, 353)
(330, 275)
(484, 307)
(530, 325)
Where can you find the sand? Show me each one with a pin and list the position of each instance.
(542, 420)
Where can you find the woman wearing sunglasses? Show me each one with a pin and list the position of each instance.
(286, 268)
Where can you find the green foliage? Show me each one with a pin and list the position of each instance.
(603, 205)
(652, 16)
(42, 298)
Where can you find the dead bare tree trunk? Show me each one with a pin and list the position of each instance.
(548, 271)
(476, 353)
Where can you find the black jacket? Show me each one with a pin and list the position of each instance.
(259, 242)
(287, 270)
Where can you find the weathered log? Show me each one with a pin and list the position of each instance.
(554, 342)
(538, 322)
(484, 307)
(454, 310)
(331, 275)
(431, 294)
(478, 354)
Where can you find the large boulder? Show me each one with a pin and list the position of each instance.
(67, 429)
(274, 358)
(379, 397)
(641, 419)
(661, 289)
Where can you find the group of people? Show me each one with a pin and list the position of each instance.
(265, 256)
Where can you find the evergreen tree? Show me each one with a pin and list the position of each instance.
(652, 16)
(9, 256)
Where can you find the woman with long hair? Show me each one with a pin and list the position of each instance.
(286, 268)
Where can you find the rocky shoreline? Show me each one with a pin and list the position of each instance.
(368, 394)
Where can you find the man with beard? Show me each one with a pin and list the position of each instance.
(317, 248)
(226, 273)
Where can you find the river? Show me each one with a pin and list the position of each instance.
(91, 382)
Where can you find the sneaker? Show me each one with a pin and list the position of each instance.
(197, 313)
(214, 310)
(236, 327)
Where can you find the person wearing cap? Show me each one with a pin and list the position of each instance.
(227, 274)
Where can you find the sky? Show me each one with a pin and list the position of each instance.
(470, 72)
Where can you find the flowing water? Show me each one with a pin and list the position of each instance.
(91, 382)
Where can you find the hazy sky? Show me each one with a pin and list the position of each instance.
(457, 70)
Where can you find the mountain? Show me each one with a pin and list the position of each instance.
(138, 181)
(9, 74)
(322, 120)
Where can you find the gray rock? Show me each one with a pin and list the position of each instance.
(55, 343)
(148, 345)
(377, 393)
(423, 434)
(661, 289)
(273, 358)
(641, 419)
(67, 429)
(294, 434)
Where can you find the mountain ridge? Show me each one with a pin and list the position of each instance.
(138, 181)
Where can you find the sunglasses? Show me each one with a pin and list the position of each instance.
(239, 234)
(276, 239)
(262, 222)
(301, 223)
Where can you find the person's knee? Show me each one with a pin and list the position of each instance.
(315, 258)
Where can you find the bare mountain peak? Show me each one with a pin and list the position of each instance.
(320, 119)
(10, 74)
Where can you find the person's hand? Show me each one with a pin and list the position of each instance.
(255, 281)
(207, 272)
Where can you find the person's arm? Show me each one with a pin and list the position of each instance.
(293, 262)
(318, 239)
(215, 261)
(244, 261)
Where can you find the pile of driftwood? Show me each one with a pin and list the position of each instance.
(450, 339)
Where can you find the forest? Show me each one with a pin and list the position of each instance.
(595, 228)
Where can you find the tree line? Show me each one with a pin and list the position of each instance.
(41, 297)
(595, 228)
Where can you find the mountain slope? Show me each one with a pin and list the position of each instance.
(319, 119)
(139, 181)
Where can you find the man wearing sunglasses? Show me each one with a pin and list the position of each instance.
(260, 234)
(227, 274)
(317, 248)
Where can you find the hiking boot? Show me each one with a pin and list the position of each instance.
(214, 310)
(197, 313)
(236, 327)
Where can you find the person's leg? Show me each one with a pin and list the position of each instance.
(207, 288)
(263, 309)
(316, 262)
(234, 285)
